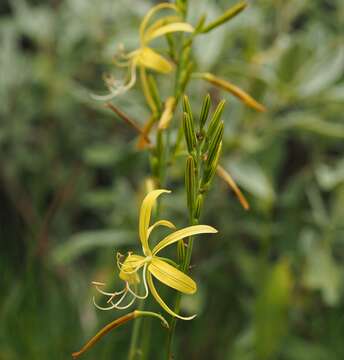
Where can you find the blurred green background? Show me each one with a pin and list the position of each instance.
(71, 180)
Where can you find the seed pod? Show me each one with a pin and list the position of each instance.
(204, 112)
(190, 182)
(189, 133)
(214, 144)
(214, 122)
(229, 14)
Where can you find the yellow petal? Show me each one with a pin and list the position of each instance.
(235, 90)
(129, 268)
(167, 29)
(167, 114)
(181, 234)
(145, 215)
(162, 22)
(171, 276)
(161, 302)
(152, 60)
(151, 13)
(229, 180)
(160, 223)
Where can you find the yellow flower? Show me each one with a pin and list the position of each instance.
(145, 57)
(151, 264)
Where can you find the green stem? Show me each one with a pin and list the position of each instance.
(134, 348)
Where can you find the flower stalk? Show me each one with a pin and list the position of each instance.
(203, 137)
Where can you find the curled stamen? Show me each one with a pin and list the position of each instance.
(141, 297)
(126, 306)
(116, 294)
(118, 87)
(101, 307)
(105, 292)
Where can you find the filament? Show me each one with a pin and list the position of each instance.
(101, 307)
(141, 297)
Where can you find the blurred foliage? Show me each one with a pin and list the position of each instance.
(71, 180)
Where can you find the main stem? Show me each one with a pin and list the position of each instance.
(186, 261)
(160, 175)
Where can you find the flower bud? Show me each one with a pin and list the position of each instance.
(189, 133)
(205, 111)
(190, 182)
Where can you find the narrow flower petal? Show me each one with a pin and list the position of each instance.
(151, 13)
(162, 22)
(161, 302)
(235, 90)
(229, 180)
(145, 215)
(167, 29)
(160, 223)
(171, 276)
(181, 234)
(152, 60)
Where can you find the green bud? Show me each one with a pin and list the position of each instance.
(190, 182)
(187, 106)
(214, 144)
(215, 120)
(205, 111)
(229, 14)
(198, 206)
(210, 169)
(189, 133)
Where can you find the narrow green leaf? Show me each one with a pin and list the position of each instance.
(84, 242)
(229, 14)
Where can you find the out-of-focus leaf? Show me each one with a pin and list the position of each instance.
(335, 93)
(271, 310)
(102, 155)
(323, 74)
(321, 271)
(84, 242)
(311, 122)
(251, 177)
(330, 176)
(298, 349)
(209, 46)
